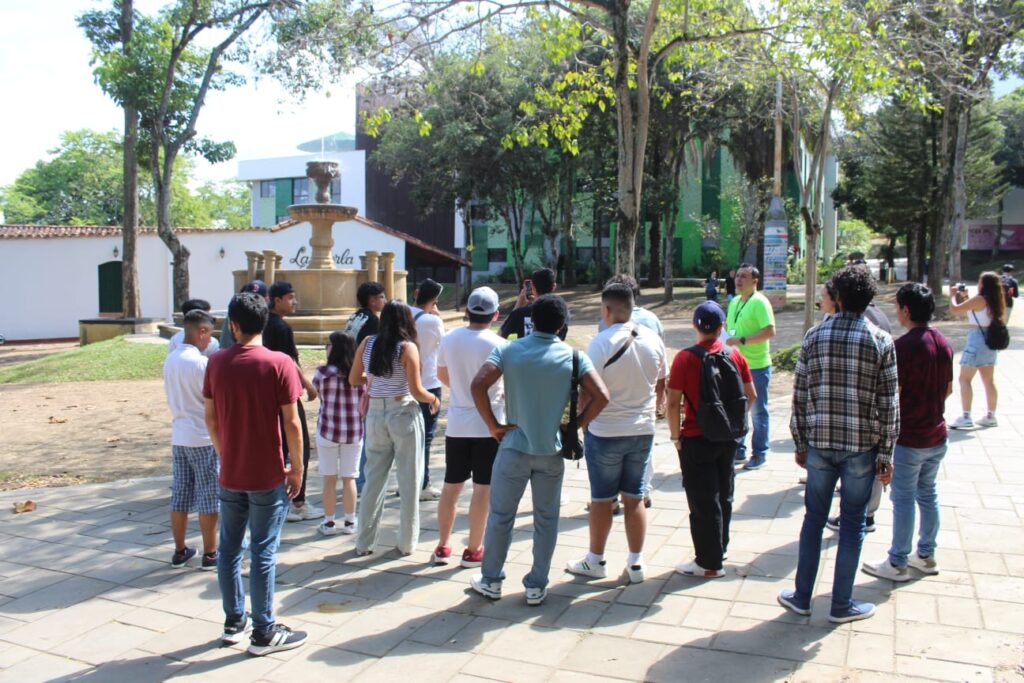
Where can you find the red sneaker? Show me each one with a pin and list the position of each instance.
(442, 554)
(472, 559)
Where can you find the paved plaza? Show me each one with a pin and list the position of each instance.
(87, 593)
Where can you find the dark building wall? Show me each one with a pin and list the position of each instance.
(392, 205)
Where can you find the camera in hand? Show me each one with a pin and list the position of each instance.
(961, 287)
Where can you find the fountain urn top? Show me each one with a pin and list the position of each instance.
(322, 173)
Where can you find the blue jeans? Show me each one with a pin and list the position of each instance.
(616, 464)
(264, 513)
(824, 469)
(361, 479)
(512, 470)
(758, 416)
(913, 480)
(429, 426)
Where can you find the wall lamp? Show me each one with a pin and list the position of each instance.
(222, 252)
(117, 252)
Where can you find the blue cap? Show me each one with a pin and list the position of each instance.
(708, 317)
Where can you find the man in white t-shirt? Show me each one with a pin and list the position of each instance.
(469, 447)
(195, 468)
(179, 336)
(429, 331)
(631, 360)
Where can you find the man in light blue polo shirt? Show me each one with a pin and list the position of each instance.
(537, 372)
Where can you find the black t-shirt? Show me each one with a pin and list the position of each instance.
(520, 323)
(1011, 289)
(278, 336)
(730, 286)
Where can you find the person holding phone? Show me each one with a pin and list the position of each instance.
(519, 322)
(845, 424)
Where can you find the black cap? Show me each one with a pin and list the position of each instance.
(427, 291)
(1008, 268)
(256, 287)
(280, 288)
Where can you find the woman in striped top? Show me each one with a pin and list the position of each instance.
(390, 363)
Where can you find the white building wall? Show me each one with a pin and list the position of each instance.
(57, 283)
(351, 165)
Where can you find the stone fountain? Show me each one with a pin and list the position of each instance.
(326, 294)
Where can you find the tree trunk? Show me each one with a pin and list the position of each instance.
(654, 261)
(959, 193)
(179, 253)
(810, 269)
(669, 258)
(998, 237)
(599, 224)
(940, 230)
(131, 303)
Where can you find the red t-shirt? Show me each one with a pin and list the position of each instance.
(685, 377)
(248, 386)
(924, 363)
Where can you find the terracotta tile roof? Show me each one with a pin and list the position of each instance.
(66, 231)
(70, 231)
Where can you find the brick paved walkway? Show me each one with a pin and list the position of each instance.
(86, 592)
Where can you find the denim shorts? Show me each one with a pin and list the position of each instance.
(976, 353)
(616, 465)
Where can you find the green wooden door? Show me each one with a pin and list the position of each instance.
(110, 287)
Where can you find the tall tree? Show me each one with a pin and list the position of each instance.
(173, 59)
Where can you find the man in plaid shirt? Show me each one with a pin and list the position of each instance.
(845, 423)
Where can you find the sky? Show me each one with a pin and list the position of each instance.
(49, 88)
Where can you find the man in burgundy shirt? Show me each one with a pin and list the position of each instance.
(255, 484)
(708, 472)
(924, 361)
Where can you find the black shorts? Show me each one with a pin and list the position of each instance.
(465, 456)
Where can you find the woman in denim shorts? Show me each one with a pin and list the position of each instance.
(987, 305)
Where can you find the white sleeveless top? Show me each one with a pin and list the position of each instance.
(981, 317)
(395, 384)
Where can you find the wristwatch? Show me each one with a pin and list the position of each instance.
(743, 340)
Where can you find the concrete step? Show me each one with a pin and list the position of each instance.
(315, 323)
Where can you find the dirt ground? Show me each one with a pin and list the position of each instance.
(53, 434)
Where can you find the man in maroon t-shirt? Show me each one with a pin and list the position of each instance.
(255, 485)
(924, 361)
(708, 474)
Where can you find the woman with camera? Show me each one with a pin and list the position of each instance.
(981, 310)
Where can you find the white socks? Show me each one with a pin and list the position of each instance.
(593, 559)
(634, 559)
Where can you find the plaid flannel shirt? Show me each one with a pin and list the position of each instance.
(845, 394)
(339, 420)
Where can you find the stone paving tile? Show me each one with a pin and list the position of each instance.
(43, 667)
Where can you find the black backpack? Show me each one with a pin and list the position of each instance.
(722, 413)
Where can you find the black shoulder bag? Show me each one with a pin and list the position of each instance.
(572, 448)
(997, 336)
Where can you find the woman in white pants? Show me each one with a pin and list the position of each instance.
(389, 362)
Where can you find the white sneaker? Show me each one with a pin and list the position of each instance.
(988, 421)
(489, 589)
(350, 527)
(565, 498)
(294, 514)
(310, 511)
(535, 596)
(430, 493)
(925, 565)
(885, 570)
(962, 422)
(584, 568)
(635, 573)
(329, 528)
(694, 569)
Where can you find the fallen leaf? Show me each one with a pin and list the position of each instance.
(112, 439)
(54, 420)
(332, 607)
(27, 506)
(73, 405)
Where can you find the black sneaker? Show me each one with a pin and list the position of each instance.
(181, 557)
(209, 561)
(870, 526)
(235, 630)
(277, 639)
(832, 523)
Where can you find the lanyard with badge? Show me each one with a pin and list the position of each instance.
(739, 311)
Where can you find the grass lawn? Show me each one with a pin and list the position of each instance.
(115, 359)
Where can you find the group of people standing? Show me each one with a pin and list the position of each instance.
(240, 446)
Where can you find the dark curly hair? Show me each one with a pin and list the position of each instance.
(855, 287)
(918, 301)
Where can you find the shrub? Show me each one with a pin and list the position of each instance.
(785, 359)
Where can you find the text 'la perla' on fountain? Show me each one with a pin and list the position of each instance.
(326, 293)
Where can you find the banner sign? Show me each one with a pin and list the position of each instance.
(776, 252)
